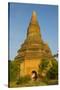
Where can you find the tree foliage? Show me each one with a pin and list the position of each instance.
(53, 72)
(13, 70)
(50, 67)
(43, 65)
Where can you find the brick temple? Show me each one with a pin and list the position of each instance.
(34, 49)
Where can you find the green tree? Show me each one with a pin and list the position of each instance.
(53, 72)
(14, 70)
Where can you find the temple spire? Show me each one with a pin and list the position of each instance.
(34, 17)
(34, 28)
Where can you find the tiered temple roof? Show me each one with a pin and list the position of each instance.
(33, 46)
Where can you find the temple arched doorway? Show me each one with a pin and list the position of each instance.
(34, 75)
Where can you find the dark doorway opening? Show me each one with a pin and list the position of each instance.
(34, 75)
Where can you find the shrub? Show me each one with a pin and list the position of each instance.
(53, 72)
(13, 70)
(23, 80)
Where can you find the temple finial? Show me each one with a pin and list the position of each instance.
(34, 17)
(33, 13)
